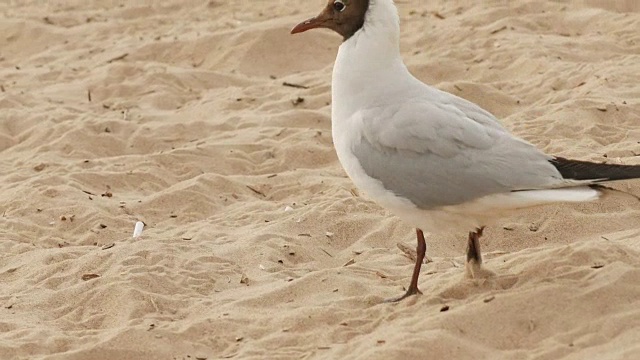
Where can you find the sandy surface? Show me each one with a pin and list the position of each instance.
(175, 114)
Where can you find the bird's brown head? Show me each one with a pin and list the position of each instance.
(345, 17)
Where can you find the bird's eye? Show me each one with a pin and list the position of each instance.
(339, 6)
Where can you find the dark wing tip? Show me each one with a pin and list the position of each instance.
(586, 170)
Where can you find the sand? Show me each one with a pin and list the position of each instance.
(257, 245)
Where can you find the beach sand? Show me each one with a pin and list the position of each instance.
(181, 114)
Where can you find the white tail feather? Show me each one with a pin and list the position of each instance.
(524, 199)
(573, 194)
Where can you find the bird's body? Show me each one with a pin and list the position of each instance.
(398, 138)
(435, 160)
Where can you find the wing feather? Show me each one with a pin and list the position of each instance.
(435, 155)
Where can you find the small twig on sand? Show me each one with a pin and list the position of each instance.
(117, 58)
(407, 250)
(297, 86)
(411, 252)
(256, 191)
(326, 252)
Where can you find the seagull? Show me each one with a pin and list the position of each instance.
(433, 159)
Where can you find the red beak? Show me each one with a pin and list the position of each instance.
(305, 25)
(319, 21)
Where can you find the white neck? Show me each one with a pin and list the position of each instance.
(370, 58)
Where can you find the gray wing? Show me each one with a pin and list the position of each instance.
(435, 154)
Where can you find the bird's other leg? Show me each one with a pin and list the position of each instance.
(473, 264)
(421, 250)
